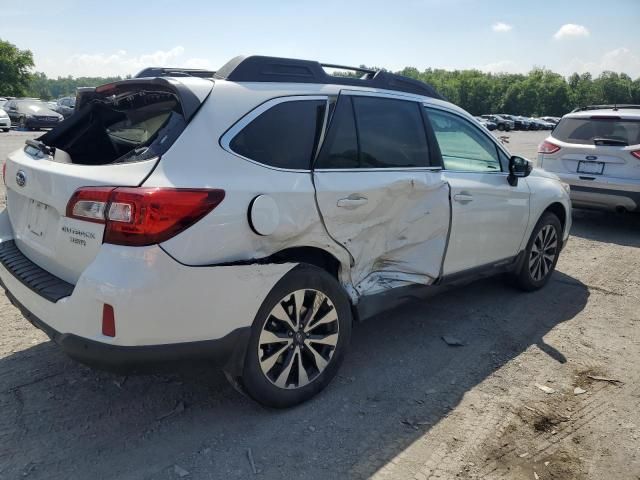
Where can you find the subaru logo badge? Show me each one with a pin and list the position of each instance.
(21, 178)
(591, 157)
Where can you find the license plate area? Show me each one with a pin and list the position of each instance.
(37, 218)
(591, 168)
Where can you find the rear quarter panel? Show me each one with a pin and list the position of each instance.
(197, 160)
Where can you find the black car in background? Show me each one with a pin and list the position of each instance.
(29, 114)
(502, 124)
(519, 122)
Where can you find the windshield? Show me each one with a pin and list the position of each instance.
(593, 130)
(33, 104)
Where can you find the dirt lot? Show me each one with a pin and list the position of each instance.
(406, 405)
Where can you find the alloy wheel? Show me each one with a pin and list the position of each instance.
(543, 253)
(298, 339)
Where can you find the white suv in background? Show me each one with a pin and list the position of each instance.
(596, 150)
(243, 216)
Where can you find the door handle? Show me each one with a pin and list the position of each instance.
(463, 198)
(352, 201)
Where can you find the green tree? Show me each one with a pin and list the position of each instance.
(15, 65)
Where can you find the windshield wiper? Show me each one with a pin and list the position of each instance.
(611, 142)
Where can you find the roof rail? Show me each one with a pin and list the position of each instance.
(273, 69)
(604, 107)
(174, 72)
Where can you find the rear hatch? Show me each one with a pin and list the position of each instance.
(598, 145)
(116, 138)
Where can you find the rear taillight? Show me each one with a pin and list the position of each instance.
(139, 216)
(636, 153)
(548, 147)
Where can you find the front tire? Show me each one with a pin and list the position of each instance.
(298, 338)
(541, 254)
(501, 127)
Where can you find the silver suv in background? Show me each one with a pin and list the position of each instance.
(596, 150)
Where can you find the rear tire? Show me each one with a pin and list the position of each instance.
(541, 254)
(298, 339)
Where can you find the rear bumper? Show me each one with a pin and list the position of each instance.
(5, 122)
(163, 310)
(606, 193)
(227, 351)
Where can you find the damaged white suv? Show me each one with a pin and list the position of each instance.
(242, 216)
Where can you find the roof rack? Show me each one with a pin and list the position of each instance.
(273, 69)
(606, 107)
(175, 72)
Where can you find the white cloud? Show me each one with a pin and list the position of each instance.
(571, 30)
(621, 60)
(501, 66)
(501, 27)
(119, 62)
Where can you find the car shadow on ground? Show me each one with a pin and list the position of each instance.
(63, 420)
(608, 227)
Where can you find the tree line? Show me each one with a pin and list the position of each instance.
(537, 93)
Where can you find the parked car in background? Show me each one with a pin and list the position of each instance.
(542, 124)
(176, 218)
(5, 121)
(66, 106)
(502, 124)
(519, 123)
(553, 120)
(488, 124)
(596, 150)
(32, 114)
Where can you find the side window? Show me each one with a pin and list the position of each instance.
(391, 133)
(385, 133)
(462, 145)
(285, 136)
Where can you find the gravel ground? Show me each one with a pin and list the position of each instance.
(405, 405)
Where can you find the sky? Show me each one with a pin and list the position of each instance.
(88, 38)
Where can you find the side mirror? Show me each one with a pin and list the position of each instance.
(518, 168)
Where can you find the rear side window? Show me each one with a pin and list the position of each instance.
(285, 136)
(385, 133)
(462, 145)
(611, 131)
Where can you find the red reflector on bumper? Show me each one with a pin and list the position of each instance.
(108, 321)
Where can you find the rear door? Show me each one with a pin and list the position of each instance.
(379, 193)
(115, 141)
(489, 216)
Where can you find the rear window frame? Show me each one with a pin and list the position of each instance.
(227, 137)
(598, 118)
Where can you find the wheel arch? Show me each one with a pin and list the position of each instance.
(311, 255)
(559, 210)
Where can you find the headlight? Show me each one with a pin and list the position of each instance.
(567, 187)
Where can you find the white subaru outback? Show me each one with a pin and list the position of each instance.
(242, 216)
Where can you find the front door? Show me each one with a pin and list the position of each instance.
(489, 216)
